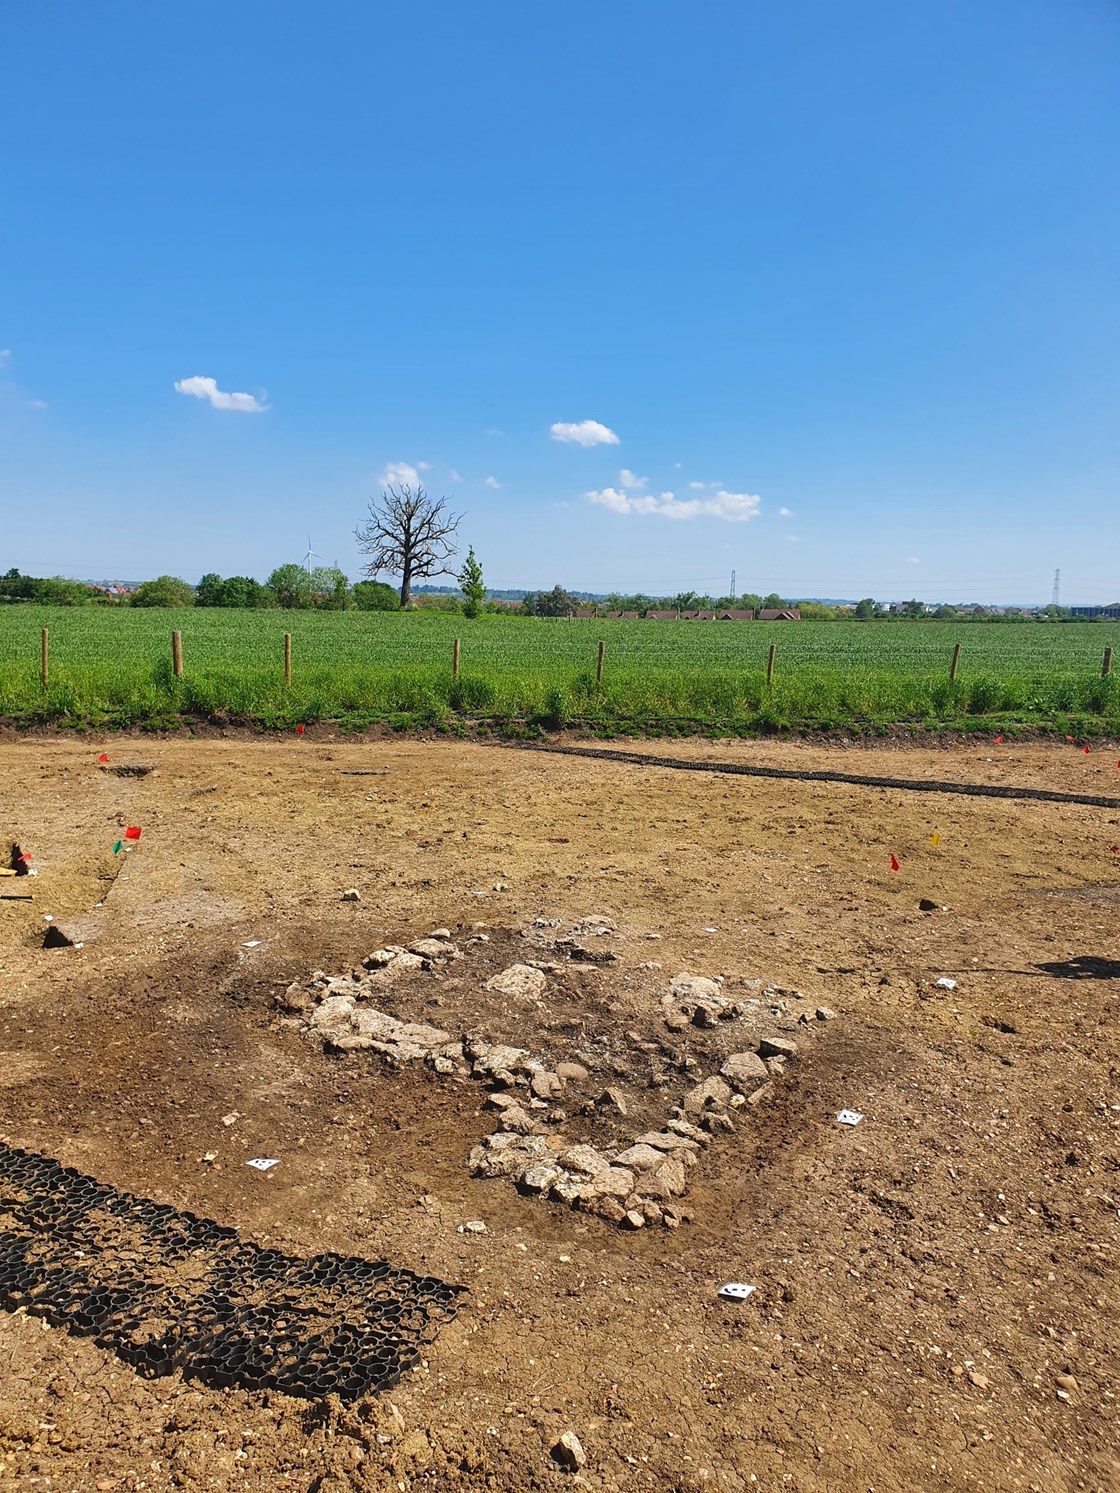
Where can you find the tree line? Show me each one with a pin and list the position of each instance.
(289, 586)
(326, 588)
(412, 535)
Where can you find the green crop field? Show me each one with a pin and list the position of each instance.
(113, 667)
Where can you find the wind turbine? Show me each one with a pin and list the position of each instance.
(311, 555)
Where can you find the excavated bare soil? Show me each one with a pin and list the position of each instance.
(936, 1288)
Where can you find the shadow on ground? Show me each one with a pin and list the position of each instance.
(1084, 967)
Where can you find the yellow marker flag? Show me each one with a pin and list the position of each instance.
(935, 839)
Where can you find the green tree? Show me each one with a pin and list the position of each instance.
(330, 589)
(291, 586)
(210, 591)
(639, 602)
(375, 596)
(164, 591)
(554, 603)
(60, 591)
(244, 591)
(773, 602)
(15, 587)
(868, 608)
(471, 584)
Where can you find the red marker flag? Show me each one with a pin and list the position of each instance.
(104, 757)
(894, 863)
(999, 739)
(1086, 751)
(132, 832)
(299, 730)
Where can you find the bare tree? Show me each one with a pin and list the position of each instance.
(408, 534)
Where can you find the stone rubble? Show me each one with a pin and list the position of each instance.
(520, 981)
(743, 1068)
(569, 1452)
(628, 1183)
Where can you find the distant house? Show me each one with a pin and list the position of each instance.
(779, 614)
(662, 616)
(586, 614)
(629, 616)
(737, 614)
(698, 616)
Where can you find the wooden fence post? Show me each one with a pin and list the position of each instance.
(599, 665)
(44, 671)
(956, 661)
(770, 664)
(1106, 666)
(287, 660)
(455, 661)
(177, 653)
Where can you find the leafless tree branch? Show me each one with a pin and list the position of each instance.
(408, 534)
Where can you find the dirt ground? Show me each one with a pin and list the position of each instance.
(936, 1303)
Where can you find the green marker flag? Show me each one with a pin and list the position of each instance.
(117, 846)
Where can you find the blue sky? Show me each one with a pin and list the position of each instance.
(840, 279)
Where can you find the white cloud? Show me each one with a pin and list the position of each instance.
(38, 404)
(703, 486)
(492, 482)
(455, 476)
(583, 433)
(912, 560)
(620, 502)
(785, 512)
(425, 466)
(732, 507)
(398, 472)
(630, 480)
(207, 388)
(791, 538)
